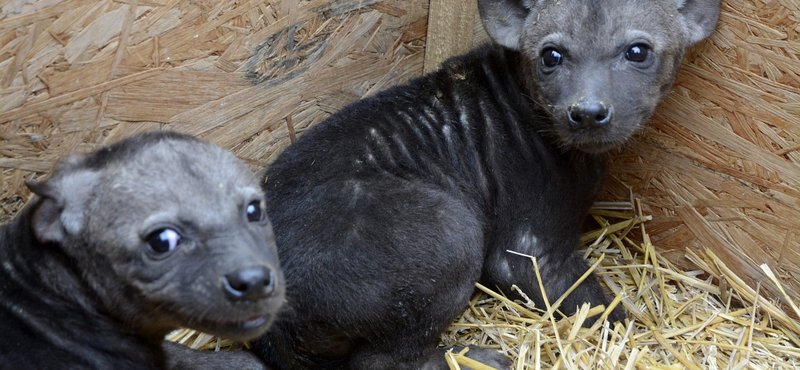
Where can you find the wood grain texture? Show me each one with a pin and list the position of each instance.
(718, 167)
(451, 25)
(75, 75)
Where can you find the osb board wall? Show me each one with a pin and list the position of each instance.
(247, 75)
(717, 167)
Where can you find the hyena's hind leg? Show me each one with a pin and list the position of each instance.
(559, 269)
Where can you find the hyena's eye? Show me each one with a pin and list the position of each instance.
(163, 241)
(254, 212)
(551, 57)
(638, 53)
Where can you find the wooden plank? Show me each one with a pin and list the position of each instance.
(39, 106)
(450, 30)
(170, 93)
(52, 11)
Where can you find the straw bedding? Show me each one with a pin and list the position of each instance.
(718, 165)
(701, 319)
(717, 168)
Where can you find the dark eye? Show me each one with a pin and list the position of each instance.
(637, 53)
(551, 57)
(254, 212)
(163, 241)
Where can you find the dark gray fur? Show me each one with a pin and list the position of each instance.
(389, 211)
(79, 288)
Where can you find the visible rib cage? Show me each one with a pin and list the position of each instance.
(454, 129)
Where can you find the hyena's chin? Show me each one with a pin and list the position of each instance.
(596, 140)
(594, 147)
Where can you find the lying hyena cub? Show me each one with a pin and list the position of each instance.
(128, 243)
(388, 212)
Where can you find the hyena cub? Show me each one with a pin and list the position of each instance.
(123, 245)
(387, 213)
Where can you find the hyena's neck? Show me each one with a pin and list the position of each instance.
(41, 274)
(45, 303)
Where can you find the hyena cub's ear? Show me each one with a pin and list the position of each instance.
(63, 199)
(699, 18)
(504, 20)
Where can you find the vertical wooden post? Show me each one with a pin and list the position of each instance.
(450, 30)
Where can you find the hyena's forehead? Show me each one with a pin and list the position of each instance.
(184, 161)
(599, 23)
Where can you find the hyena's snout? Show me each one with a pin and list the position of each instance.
(249, 283)
(589, 114)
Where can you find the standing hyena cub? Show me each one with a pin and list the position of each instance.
(123, 245)
(388, 212)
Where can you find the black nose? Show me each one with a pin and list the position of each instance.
(249, 283)
(583, 115)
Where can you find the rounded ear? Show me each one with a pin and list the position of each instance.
(46, 221)
(504, 20)
(63, 199)
(699, 17)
